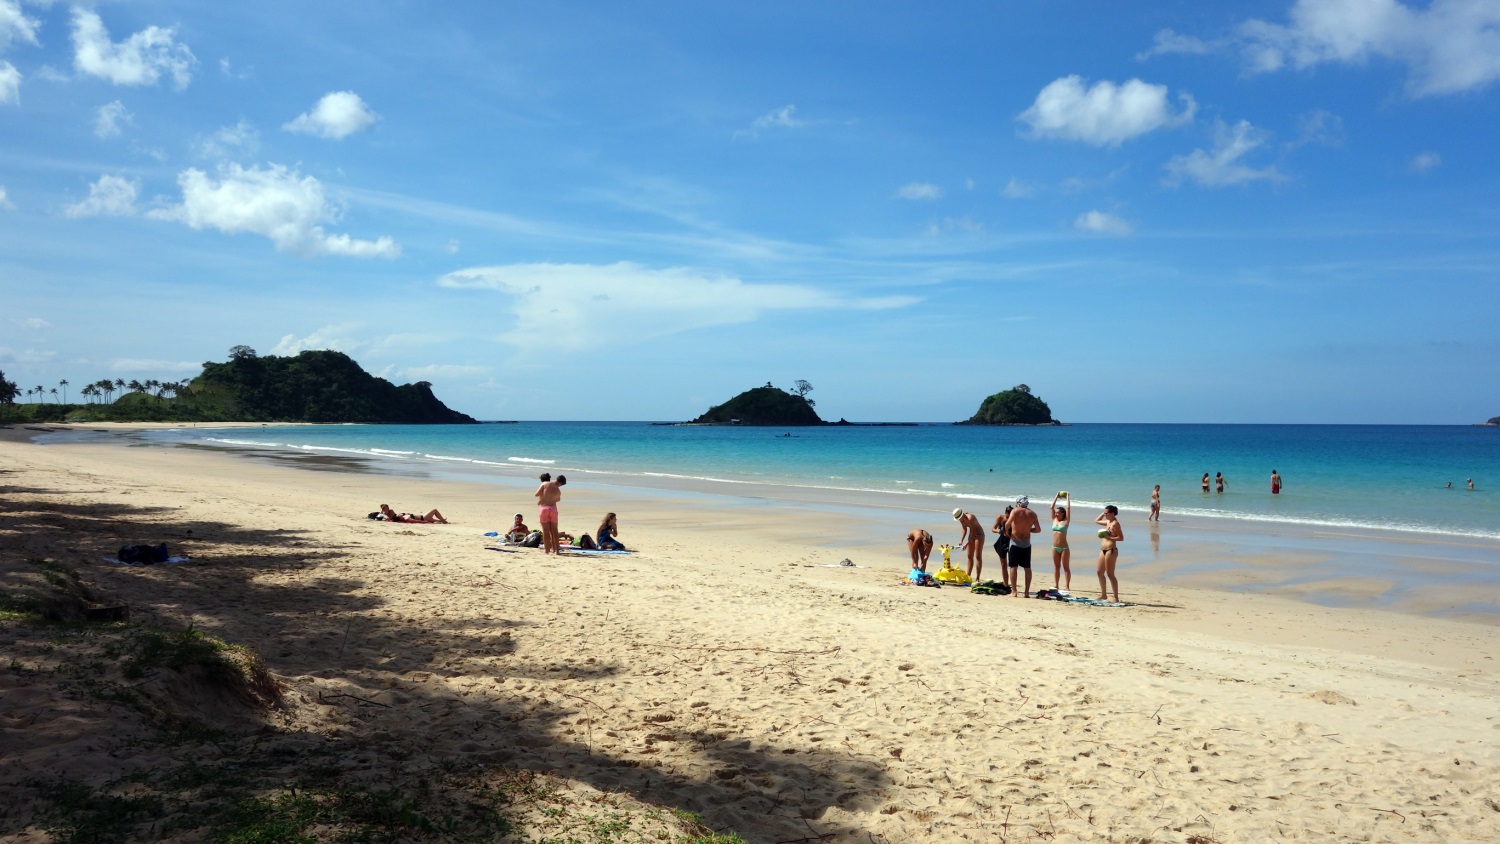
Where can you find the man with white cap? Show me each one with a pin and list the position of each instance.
(972, 542)
(1021, 525)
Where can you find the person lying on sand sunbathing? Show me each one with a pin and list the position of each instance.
(432, 517)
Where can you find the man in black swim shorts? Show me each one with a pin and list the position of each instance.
(1021, 525)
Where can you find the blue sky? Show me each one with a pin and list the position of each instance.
(1168, 212)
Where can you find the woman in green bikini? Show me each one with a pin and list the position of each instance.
(1061, 555)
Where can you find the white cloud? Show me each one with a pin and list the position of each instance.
(1100, 222)
(1106, 114)
(36, 323)
(1425, 161)
(580, 306)
(229, 141)
(920, 190)
(1017, 189)
(276, 202)
(1168, 42)
(229, 70)
(111, 117)
(14, 25)
(960, 225)
(10, 83)
(109, 196)
(335, 337)
(140, 59)
(154, 367)
(5, 202)
(1222, 166)
(439, 370)
(780, 118)
(452, 247)
(1319, 127)
(9, 355)
(337, 116)
(1451, 46)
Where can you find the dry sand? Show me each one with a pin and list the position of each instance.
(722, 669)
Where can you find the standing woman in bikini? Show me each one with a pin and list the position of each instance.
(1109, 551)
(1205, 482)
(1062, 517)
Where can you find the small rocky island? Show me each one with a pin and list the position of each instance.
(1016, 406)
(768, 406)
(1494, 420)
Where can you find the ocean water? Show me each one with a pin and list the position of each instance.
(1367, 476)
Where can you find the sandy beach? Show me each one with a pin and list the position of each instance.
(731, 669)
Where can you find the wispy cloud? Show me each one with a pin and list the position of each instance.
(140, 59)
(15, 26)
(241, 139)
(1105, 114)
(275, 202)
(111, 117)
(780, 118)
(560, 305)
(920, 190)
(438, 370)
(1168, 42)
(1425, 161)
(109, 196)
(10, 83)
(5, 203)
(1319, 127)
(1101, 222)
(152, 366)
(336, 116)
(1017, 189)
(1223, 166)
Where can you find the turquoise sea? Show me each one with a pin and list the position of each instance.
(1366, 476)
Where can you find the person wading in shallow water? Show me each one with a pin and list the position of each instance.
(1275, 483)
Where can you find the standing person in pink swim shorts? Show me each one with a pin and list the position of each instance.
(547, 496)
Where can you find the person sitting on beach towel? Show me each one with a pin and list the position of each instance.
(518, 530)
(432, 517)
(604, 537)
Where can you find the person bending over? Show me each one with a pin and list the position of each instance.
(919, 543)
(972, 541)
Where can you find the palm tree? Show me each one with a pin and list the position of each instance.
(41, 393)
(152, 385)
(120, 383)
(64, 384)
(54, 395)
(135, 386)
(89, 391)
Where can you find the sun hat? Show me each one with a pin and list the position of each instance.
(1023, 501)
(958, 512)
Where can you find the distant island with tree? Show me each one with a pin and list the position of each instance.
(1016, 406)
(768, 406)
(314, 386)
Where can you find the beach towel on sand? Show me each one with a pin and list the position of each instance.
(581, 552)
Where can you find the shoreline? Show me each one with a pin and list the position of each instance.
(1327, 566)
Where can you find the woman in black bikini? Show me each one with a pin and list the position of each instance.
(1109, 552)
(1205, 482)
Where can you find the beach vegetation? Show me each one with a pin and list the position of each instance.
(8, 390)
(766, 405)
(1016, 406)
(314, 386)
